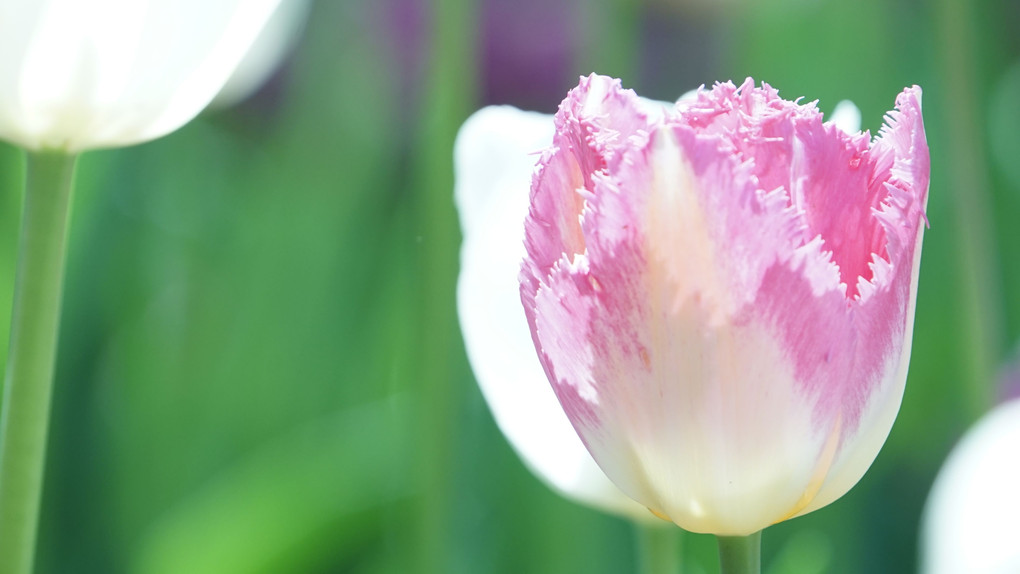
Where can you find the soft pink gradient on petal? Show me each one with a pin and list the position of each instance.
(593, 125)
(722, 297)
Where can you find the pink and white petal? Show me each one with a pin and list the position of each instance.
(849, 375)
(494, 160)
(854, 358)
(553, 224)
(792, 149)
(816, 288)
(600, 120)
(619, 330)
(888, 319)
(727, 453)
(594, 124)
(902, 166)
(789, 147)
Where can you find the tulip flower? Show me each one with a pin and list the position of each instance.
(77, 75)
(972, 516)
(494, 160)
(723, 297)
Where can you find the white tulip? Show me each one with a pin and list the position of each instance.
(86, 74)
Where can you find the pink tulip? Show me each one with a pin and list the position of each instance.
(723, 297)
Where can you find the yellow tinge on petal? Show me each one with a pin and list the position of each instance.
(828, 455)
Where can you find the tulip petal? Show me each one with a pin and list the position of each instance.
(622, 325)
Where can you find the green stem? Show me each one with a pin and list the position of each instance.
(611, 41)
(658, 549)
(33, 345)
(446, 104)
(740, 554)
(981, 302)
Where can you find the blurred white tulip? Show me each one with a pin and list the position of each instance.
(85, 74)
(972, 519)
(847, 117)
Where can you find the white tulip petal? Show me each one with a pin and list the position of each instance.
(79, 75)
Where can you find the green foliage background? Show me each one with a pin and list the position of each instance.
(260, 369)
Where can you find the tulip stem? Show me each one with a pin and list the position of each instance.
(980, 305)
(740, 554)
(658, 549)
(30, 361)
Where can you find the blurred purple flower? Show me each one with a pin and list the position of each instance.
(1009, 379)
(405, 23)
(527, 49)
(524, 47)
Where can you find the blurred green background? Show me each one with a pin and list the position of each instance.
(260, 369)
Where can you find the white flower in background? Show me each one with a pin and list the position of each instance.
(85, 74)
(847, 117)
(972, 518)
